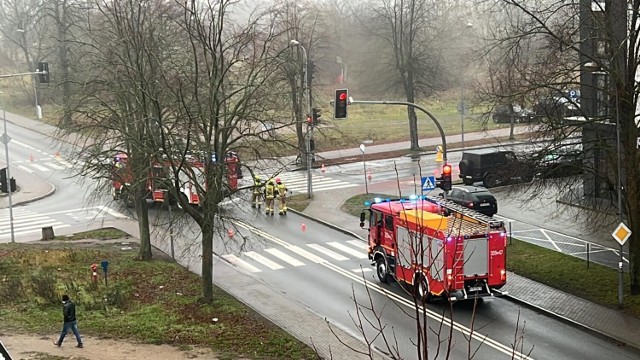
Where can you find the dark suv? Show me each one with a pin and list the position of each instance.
(494, 167)
(474, 197)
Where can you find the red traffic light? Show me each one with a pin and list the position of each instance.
(446, 169)
(343, 96)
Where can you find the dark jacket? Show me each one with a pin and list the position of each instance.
(69, 311)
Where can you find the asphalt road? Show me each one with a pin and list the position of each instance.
(328, 272)
(75, 205)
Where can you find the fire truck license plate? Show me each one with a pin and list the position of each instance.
(475, 288)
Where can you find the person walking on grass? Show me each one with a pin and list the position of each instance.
(70, 322)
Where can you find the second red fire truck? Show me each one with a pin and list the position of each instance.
(159, 178)
(439, 248)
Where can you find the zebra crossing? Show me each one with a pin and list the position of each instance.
(296, 256)
(296, 181)
(42, 166)
(25, 222)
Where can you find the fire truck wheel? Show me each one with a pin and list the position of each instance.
(421, 288)
(382, 270)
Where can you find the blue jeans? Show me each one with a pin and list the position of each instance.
(73, 326)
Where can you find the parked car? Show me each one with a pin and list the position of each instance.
(474, 197)
(505, 114)
(560, 163)
(556, 107)
(494, 167)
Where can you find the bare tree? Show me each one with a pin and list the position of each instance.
(592, 47)
(411, 65)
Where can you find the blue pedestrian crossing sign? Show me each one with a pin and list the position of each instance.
(428, 182)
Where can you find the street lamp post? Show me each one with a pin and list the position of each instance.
(462, 104)
(309, 134)
(5, 140)
(364, 164)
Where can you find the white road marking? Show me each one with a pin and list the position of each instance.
(361, 270)
(284, 257)
(263, 260)
(54, 166)
(39, 167)
(355, 253)
(551, 241)
(305, 254)
(234, 260)
(327, 252)
(114, 213)
(24, 168)
(361, 244)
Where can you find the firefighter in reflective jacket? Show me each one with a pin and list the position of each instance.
(282, 194)
(269, 195)
(256, 199)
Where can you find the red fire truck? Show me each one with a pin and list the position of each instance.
(439, 248)
(159, 179)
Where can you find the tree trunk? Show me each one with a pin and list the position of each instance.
(207, 261)
(411, 115)
(143, 223)
(63, 57)
(512, 122)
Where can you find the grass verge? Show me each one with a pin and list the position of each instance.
(597, 284)
(153, 302)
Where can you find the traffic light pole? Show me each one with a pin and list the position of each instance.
(6, 139)
(405, 103)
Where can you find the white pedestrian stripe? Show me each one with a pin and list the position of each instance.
(55, 166)
(24, 168)
(304, 253)
(361, 270)
(280, 255)
(234, 260)
(359, 244)
(325, 251)
(263, 260)
(25, 222)
(297, 182)
(348, 250)
(39, 167)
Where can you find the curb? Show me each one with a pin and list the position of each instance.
(573, 323)
(512, 298)
(39, 197)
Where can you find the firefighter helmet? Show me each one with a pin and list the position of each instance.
(278, 180)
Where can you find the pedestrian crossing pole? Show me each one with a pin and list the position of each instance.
(5, 140)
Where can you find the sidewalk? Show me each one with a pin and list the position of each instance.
(325, 208)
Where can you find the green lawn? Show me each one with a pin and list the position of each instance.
(154, 302)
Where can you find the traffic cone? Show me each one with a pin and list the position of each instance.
(230, 232)
(323, 169)
(303, 227)
(369, 175)
(57, 155)
(31, 158)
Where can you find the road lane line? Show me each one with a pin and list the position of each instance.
(284, 257)
(332, 254)
(263, 260)
(353, 252)
(39, 167)
(360, 244)
(483, 339)
(54, 166)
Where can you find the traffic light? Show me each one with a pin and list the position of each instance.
(444, 181)
(316, 115)
(340, 104)
(43, 72)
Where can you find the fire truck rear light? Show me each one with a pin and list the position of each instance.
(449, 271)
(503, 275)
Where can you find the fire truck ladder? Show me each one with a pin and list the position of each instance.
(467, 213)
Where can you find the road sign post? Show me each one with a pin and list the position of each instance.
(428, 183)
(621, 234)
